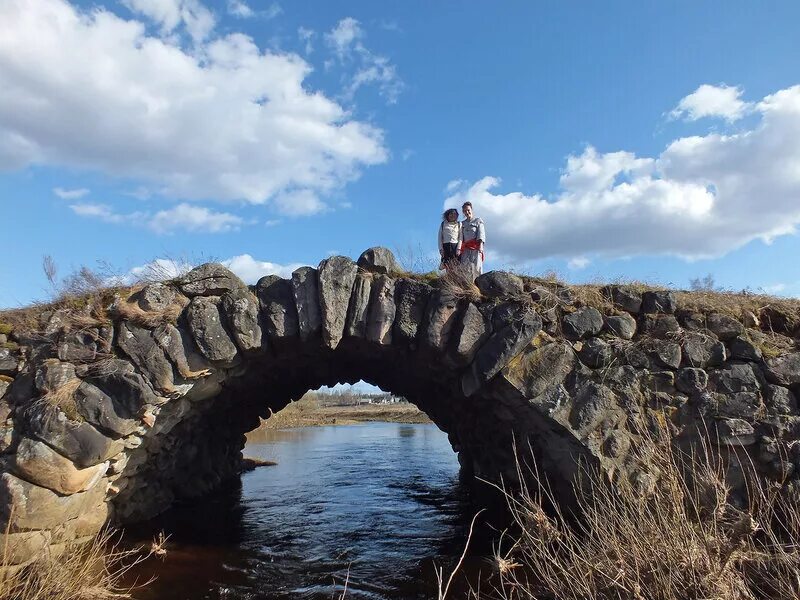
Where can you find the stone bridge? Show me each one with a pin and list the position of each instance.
(114, 407)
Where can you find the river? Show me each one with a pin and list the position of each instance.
(376, 504)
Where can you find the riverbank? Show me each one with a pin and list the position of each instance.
(310, 411)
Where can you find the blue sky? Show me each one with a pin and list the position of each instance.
(657, 141)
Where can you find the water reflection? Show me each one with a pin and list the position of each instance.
(375, 503)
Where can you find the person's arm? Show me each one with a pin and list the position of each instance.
(460, 239)
(441, 243)
(481, 233)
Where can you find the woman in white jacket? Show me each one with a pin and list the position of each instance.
(449, 239)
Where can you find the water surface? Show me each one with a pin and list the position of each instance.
(377, 504)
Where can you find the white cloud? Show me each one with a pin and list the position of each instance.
(306, 36)
(170, 14)
(251, 270)
(299, 203)
(222, 121)
(577, 263)
(703, 196)
(240, 9)
(345, 39)
(454, 184)
(193, 218)
(65, 194)
(712, 101)
(183, 217)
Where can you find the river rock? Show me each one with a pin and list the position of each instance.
(337, 276)
(379, 260)
(37, 463)
(582, 323)
(278, 309)
(306, 296)
(499, 284)
(623, 326)
(205, 322)
(210, 279)
(241, 312)
(358, 310)
(381, 310)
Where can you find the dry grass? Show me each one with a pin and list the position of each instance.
(126, 307)
(682, 541)
(63, 398)
(91, 571)
(458, 283)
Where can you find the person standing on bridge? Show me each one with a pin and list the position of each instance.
(473, 239)
(449, 239)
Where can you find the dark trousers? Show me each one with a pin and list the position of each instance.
(450, 255)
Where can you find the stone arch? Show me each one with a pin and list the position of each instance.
(112, 420)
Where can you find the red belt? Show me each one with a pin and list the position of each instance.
(472, 245)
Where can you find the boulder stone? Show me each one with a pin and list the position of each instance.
(582, 323)
(119, 381)
(441, 318)
(784, 370)
(734, 432)
(700, 350)
(104, 412)
(306, 297)
(411, 298)
(667, 354)
(596, 353)
(36, 507)
(77, 440)
(22, 547)
(724, 326)
(241, 311)
(78, 346)
(473, 330)
(780, 400)
(381, 310)
(743, 349)
(502, 346)
(660, 326)
(205, 322)
(8, 362)
(379, 260)
(540, 369)
(623, 326)
(181, 351)
(337, 276)
(659, 301)
(738, 404)
(735, 377)
(141, 346)
(691, 380)
(52, 375)
(594, 404)
(278, 309)
(156, 297)
(37, 463)
(358, 310)
(210, 279)
(623, 297)
(499, 284)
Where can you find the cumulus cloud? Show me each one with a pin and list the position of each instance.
(75, 194)
(222, 120)
(712, 101)
(306, 35)
(183, 217)
(240, 9)
(249, 269)
(368, 68)
(703, 196)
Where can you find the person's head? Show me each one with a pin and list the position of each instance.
(466, 208)
(450, 215)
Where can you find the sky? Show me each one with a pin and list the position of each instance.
(602, 141)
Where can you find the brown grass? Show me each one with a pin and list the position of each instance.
(63, 398)
(682, 541)
(90, 571)
(128, 308)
